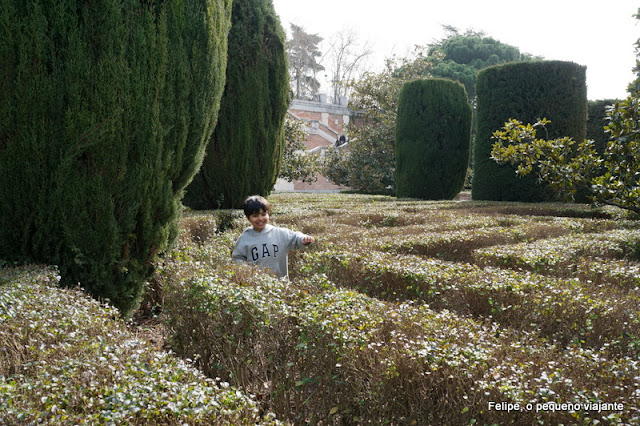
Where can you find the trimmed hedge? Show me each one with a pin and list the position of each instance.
(525, 91)
(105, 110)
(433, 132)
(317, 349)
(596, 122)
(68, 360)
(244, 153)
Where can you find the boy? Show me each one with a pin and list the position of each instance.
(263, 244)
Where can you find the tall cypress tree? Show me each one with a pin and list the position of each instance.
(105, 110)
(244, 154)
(433, 132)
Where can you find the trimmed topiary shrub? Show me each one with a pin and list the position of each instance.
(244, 154)
(433, 131)
(105, 111)
(525, 91)
(596, 120)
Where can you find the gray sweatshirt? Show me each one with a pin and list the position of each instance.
(268, 249)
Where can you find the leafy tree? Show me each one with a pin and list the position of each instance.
(463, 55)
(105, 110)
(244, 153)
(597, 121)
(569, 166)
(303, 54)
(297, 164)
(368, 164)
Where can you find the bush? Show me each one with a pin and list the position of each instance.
(525, 91)
(433, 134)
(597, 121)
(105, 111)
(363, 333)
(319, 349)
(244, 153)
(67, 360)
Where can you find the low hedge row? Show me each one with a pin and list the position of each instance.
(459, 245)
(566, 310)
(313, 352)
(66, 359)
(559, 256)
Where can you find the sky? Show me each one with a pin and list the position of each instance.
(597, 34)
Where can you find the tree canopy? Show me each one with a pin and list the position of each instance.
(303, 53)
(461, 56)
(297, 163)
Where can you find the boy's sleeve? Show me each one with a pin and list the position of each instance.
(296, 240)
(238, 254)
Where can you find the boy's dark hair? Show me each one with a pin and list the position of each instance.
(256, 204)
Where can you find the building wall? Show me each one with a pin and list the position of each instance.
(324, 124)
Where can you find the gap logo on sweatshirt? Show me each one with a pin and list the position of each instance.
(267, 250)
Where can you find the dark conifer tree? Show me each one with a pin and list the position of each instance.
(105, 110)
(244, 154)
(525, 91)
(433, 132)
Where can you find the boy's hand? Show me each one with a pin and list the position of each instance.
(307, 239)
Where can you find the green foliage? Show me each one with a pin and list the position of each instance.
(610, 177)
(402, 312)
(433, 132)
(334, 165)
(597, 121)
(297, 164)
(605, 168)
(303, 54)
(619, 185)
(244, 153)
(105, 111)
(67, 360)
(463, 55)
(555, 160)
(463, 73)
(364, 332)
(369, 163)
(524, 91)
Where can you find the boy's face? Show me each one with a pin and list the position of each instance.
(259, 220)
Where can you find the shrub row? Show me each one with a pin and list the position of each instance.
(567, 310)
(320, 350)
(312, 352)
(561, 256)
(460, 245)
(65, 359)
